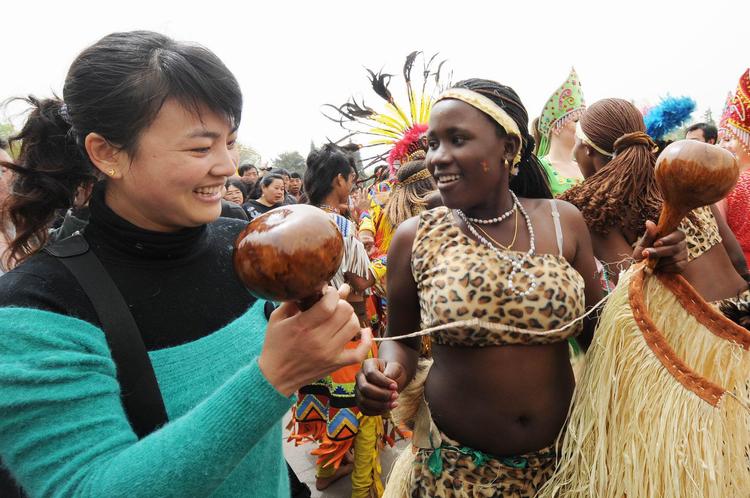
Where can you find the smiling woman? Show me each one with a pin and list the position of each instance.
(156, 119)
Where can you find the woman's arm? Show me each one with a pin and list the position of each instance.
(63, 430)
(733, 248)
(382, 378)
(582, 259)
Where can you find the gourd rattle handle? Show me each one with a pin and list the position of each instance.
(306, 303)
(669, 219)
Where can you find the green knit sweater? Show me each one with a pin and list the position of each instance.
(63, 431)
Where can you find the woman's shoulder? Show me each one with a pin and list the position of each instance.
(227, 227)
(42, 282)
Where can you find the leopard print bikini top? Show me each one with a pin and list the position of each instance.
(702, 236)
(458, 278)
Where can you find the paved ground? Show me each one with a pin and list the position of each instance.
(304, 465)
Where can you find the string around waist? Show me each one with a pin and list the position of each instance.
(476, 322)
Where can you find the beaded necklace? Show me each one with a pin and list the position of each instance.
(516, 262)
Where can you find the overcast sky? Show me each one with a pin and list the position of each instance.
(292, 57)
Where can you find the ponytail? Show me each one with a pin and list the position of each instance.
(48, 171)
(623, 194)
(531, 180)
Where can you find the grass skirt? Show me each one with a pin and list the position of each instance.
(656, 412)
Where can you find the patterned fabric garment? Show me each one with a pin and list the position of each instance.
(558, 183)
(460, 279)
(702, 236)
(457, 471)
(738, 212)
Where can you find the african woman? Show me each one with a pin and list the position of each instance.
(641, 423)
(556, 127)
(502, 251)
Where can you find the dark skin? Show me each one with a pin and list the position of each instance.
(515, 397)
(716, 274)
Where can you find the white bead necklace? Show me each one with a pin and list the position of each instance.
(492, 221)
(516, 263)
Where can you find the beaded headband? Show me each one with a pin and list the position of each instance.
(583, 138)
(419, 175)
(487, 106)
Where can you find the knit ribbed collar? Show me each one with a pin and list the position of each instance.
(108, 229)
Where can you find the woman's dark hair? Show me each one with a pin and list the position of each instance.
(323, 166)
(265, 182)
(408, 197)
(114, 88)
(531, 181)
(233, 181)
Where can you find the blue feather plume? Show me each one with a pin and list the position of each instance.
(668, 115)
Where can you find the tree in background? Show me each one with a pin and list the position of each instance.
(292, 161)
(6, 131)
(708, 117)
(248, 154)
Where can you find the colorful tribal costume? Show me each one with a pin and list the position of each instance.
(402, 130)
(564, 105)
(658, 407)
(473, 284)
(326, 410)
(736, 122)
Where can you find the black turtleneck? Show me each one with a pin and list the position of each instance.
(179, 286)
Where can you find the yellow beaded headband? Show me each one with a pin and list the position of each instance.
(583, 138)
(419, 175)
(479, 101)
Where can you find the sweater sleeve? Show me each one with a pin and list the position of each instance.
(63, 430)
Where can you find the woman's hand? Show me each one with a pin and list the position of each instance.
(378, 384)
(671, 250)
(302, 347)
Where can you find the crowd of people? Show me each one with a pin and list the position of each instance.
(505, 302)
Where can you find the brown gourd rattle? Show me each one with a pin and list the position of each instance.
(691, 174)
(289, 254)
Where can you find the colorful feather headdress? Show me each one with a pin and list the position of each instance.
(400, 128)
(667, 116)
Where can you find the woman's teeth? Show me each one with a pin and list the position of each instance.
(209, 190)
(448, 178)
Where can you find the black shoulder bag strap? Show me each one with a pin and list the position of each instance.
(139, 389)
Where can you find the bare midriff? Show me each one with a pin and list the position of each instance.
(502, 400)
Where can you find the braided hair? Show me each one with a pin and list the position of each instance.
(624, 193)
(408, 197)
(531, 181)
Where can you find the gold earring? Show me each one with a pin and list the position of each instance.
(485, 166)
(111, 172)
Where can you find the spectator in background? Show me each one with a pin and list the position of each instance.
(271, 196)
(5, 175)
(295, 186)
(4, 172)
(234, 198)
(235, 191)
(248, 174)
(288, 198)
(703, 132)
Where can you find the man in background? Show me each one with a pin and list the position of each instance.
(248, 174)
(703, 132)
(295, 186)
